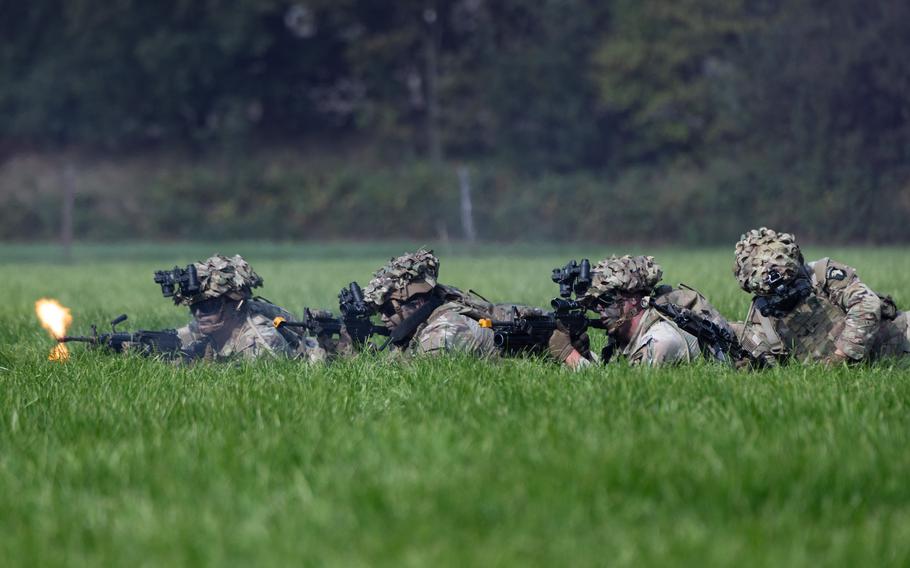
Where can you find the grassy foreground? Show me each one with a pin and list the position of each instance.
(124, 461)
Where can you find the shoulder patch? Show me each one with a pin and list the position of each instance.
(835, 273)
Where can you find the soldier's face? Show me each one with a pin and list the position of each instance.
(212, 315)
(615, 313)
(394, 311)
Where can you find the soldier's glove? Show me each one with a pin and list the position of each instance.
(345, 344)
(560, 344)
(582, 344)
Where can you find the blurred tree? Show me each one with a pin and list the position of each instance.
(827, 93)
(665, 71)
(738, 105)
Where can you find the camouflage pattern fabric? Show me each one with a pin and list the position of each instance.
(660, 342)
(893, 338)
(402, 277)
(657, 341)
(842, 313)
(624, 275)
(255, 337)
(760, 251)
(862, 306)
(222, 276)
(448, 330)
(454, 327)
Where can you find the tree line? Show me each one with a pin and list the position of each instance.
(761, 104)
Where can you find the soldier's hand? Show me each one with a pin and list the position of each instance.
(560, 345)
(582, 344)
(345, 345)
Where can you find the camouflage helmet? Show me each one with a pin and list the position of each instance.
(403, 277)
(618, 275)
(760, 251)
(222, 276)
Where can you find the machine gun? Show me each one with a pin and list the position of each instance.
(355, 318)
(163, 343)
(530, 333)
(184, 281)
(785, 295)
(715, 342)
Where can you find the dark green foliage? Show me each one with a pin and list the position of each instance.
(747, 104)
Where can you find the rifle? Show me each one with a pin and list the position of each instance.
(715, 342)
(355, 318)
(530, 333)
(356, 314)
(165, 342)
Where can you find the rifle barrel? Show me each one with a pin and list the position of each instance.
(82, 338)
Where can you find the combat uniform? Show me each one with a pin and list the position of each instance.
(452, 326)
(840, 313)
(253, 334)
(656, 340)
(256, 336)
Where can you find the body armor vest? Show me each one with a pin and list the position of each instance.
(811, 330)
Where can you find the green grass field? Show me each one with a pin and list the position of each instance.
(109, 460)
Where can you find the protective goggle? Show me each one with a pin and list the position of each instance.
(207, 307)
(388, 308)
(599, 302)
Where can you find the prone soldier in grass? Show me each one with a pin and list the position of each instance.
(424, 316)
(228, 322)
(642, 319)
(817, 311)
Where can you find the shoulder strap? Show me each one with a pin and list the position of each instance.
(402, 334)
(265, 343)
(685, 320)
(774, 341)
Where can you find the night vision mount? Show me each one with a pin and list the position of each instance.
(351, 304)
(184, 281)
(573, 277)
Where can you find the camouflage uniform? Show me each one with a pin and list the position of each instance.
(656, 340)
(840, 313)
(454, 327)
(659, 342)
(253, 335)
(451, 327)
